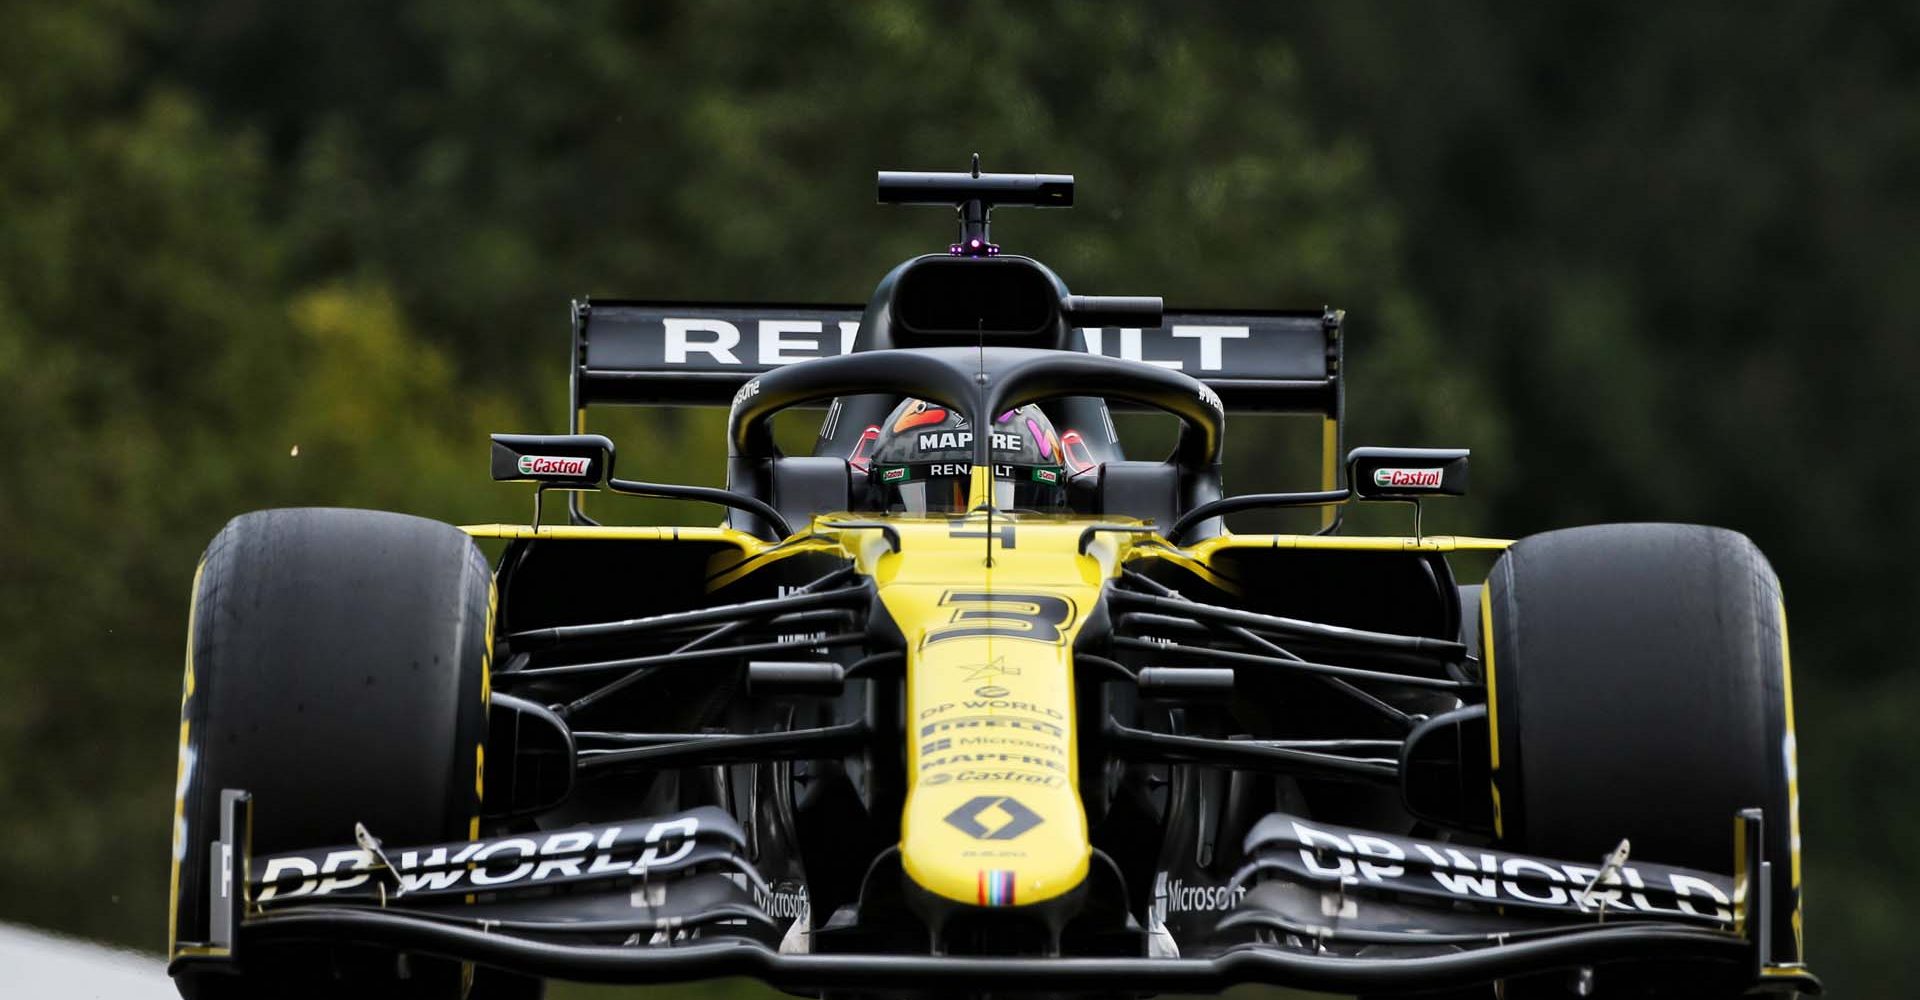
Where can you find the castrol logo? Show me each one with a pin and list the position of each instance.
(1408, 479)
(548, 465)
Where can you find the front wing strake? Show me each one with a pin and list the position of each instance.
(238, 920)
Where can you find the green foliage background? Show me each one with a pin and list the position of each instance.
(1650, 261)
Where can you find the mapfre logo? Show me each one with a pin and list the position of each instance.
(549, 465)
(1408, 479)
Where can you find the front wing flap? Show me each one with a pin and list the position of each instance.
(673, 899)
(1363, 862)
(703, 837)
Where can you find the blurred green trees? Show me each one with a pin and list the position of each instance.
(1680, 242)
(1649, 263)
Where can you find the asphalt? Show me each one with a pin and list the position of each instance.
(42, 966)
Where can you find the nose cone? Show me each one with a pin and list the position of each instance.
(994, 815)
(1005, 847)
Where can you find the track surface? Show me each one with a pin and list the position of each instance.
(41, 966)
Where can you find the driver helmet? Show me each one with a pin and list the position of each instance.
(923, 461)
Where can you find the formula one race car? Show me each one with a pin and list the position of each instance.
(969, 701)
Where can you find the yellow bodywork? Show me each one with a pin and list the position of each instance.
(989, 607)
(989, 613)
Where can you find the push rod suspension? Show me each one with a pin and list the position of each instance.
(1442, 650)
(683, 656)
(1169, 623)
(1248, 755)
(703, 639)
(543, 637)
(817, 619)
(1227, 656)
(699, 749)
(1393, 713)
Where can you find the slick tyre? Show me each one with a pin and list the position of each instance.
(1640, 689)
(337, 670)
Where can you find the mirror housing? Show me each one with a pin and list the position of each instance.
(553, 461)
(1407, 473)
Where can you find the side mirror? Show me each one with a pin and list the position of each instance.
(554, 461)
(1407, 473)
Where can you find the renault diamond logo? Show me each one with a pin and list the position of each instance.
(993, 817)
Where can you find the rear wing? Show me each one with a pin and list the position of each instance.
(691, 353)
(665, 353)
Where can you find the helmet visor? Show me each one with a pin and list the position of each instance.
(921, 489)
(942, 487)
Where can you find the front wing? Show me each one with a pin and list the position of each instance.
(673, 899)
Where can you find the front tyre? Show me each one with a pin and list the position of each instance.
(336, 669)
(1640, 688)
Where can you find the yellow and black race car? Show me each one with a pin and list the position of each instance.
(968, 701)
